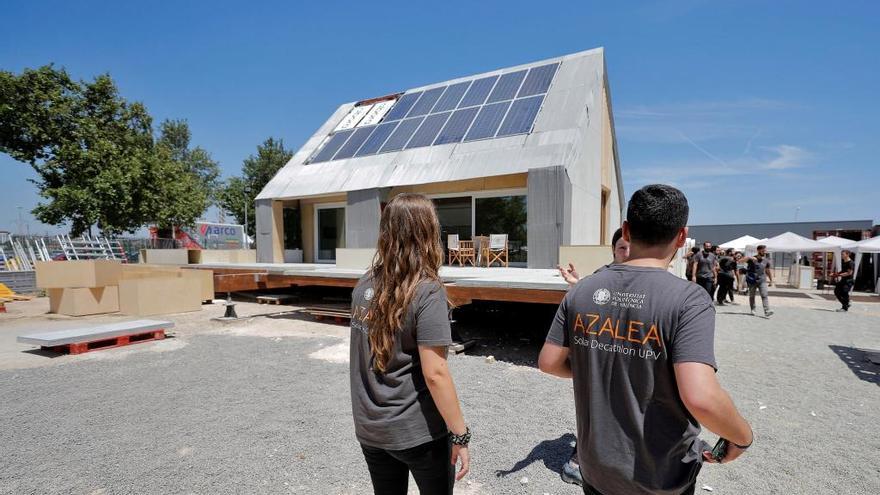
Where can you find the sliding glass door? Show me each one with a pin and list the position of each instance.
(483, 214)
(504, 215)
(329, 232)
(455, 216)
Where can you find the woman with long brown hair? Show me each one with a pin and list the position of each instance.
(406, 412)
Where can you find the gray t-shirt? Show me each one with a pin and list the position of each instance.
(394, 410)
(705, 264)
(625, 327)
(758, 269)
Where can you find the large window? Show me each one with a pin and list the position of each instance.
(504, 215)
(455, 217)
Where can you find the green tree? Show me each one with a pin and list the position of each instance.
(175, 137)
(95, 156)
(256, 171)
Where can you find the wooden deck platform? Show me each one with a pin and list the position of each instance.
(463, 284)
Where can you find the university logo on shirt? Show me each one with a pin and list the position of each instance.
(601, 296)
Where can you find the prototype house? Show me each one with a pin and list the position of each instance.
(529, 151)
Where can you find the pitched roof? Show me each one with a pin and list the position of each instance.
(562, 134)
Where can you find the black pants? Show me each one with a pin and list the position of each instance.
(589, 490)
(841, 290)
(708, 284)
(429, 463)
(725, 287)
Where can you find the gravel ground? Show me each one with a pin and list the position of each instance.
(262, 406)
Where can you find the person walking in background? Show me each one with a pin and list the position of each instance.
(571, 472)
(689, 262)
(726, 277)
(638, 343)
(705, 268)
(759, 271)
(740, 272)
(844, 280)
(406, 412)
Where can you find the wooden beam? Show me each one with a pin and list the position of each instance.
(466, 295)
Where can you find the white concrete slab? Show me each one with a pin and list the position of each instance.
(466, 276)
(93, 332)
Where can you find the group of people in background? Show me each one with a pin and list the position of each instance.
(718, 271)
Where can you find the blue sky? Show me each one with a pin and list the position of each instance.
(759, 111)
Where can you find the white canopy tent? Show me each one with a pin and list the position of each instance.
(790, 242)
(841, 244)
(868, 246)
(838, 241)
(740, 243)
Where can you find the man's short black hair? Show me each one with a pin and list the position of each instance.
(695, 250)
(616, 237)
(656, 213)
(760, 247)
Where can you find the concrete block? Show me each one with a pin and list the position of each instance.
(165, 256)
(357, 259)
(586, 259)
(77, 273)
(84, 301)
(160, 295)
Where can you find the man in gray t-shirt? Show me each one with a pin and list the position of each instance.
(759, 270)
(705, 268)
(638, 343)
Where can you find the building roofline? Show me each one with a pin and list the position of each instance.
(871, 222)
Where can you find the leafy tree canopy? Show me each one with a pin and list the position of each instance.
(256, 171)
(95, 156)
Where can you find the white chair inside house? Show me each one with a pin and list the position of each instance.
(497, 250)
(453, 249)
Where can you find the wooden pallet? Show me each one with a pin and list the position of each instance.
(337, 314)
(275, 299)
(122, 340)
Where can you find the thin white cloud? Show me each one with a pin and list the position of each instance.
(702, 108)
(777, 161)
(787, 157)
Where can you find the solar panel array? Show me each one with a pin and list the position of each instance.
(485, 108)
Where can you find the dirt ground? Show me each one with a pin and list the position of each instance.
(261, 405)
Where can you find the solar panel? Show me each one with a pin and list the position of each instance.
(507, 86)
(354, 142)
(456, 126)
(426, 102)
(331, 146)
(451, 97)
(478, 92)
(538, 80)
(487, 122)
(404, 103)
(492, 106)
(402, 134)
(377, 139)
(428, 131)
(521, 116)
